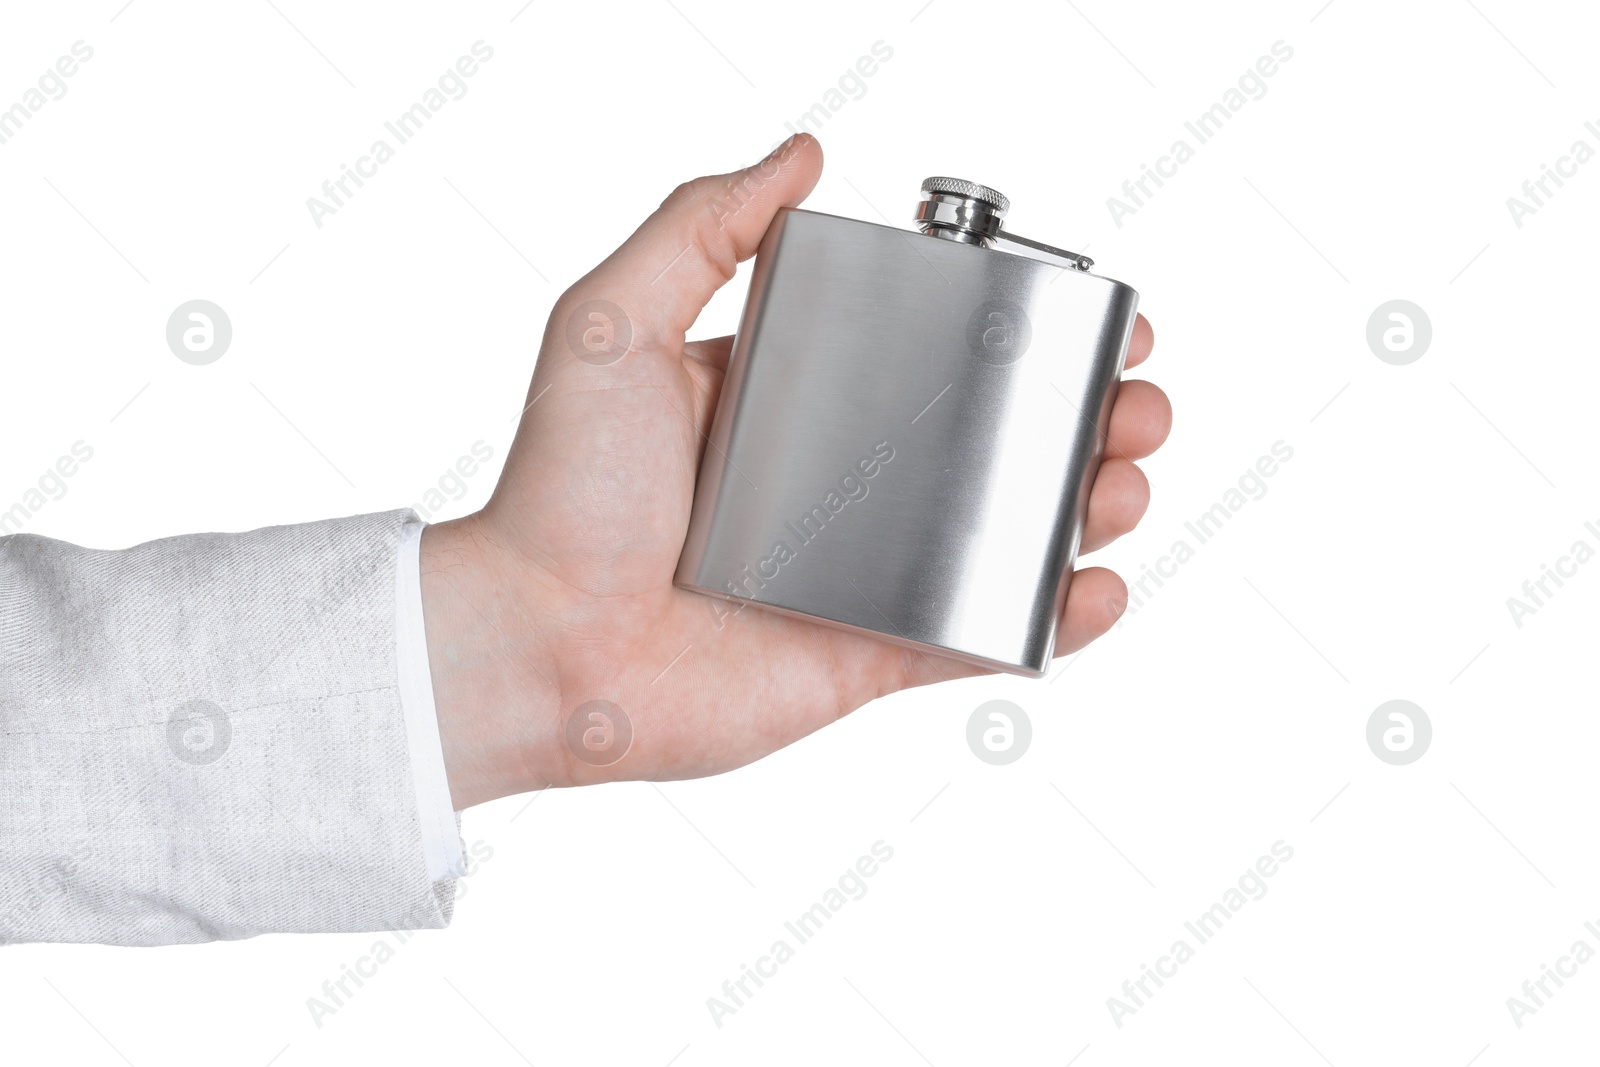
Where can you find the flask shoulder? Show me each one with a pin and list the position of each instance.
(804, 227)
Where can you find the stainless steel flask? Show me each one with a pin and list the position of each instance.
(909, 428)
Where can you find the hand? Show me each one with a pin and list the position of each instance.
(560, 590)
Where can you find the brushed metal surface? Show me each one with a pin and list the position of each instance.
(887, 457)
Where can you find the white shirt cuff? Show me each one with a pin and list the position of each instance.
(441, 837)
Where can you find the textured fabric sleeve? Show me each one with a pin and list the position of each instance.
(201, 738)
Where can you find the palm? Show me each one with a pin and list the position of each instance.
(605, 468)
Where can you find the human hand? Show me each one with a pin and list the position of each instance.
(560, 590)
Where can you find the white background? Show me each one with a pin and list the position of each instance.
(1226, 713)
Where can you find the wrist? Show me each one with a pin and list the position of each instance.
(495, 685)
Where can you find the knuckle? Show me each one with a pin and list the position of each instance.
(686, 193)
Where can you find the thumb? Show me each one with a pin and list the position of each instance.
(666, 272)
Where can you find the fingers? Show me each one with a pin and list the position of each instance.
(1116, 503)
(664, 274)
(1096, 599)
(1139, 345)
(1140, 420)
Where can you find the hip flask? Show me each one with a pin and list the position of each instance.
(909, 428)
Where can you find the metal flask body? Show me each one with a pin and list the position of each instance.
(909, 429)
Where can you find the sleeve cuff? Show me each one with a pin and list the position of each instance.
(441, 836)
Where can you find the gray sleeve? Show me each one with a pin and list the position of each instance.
(201, 738)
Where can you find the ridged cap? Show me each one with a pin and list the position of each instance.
(970, 190)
